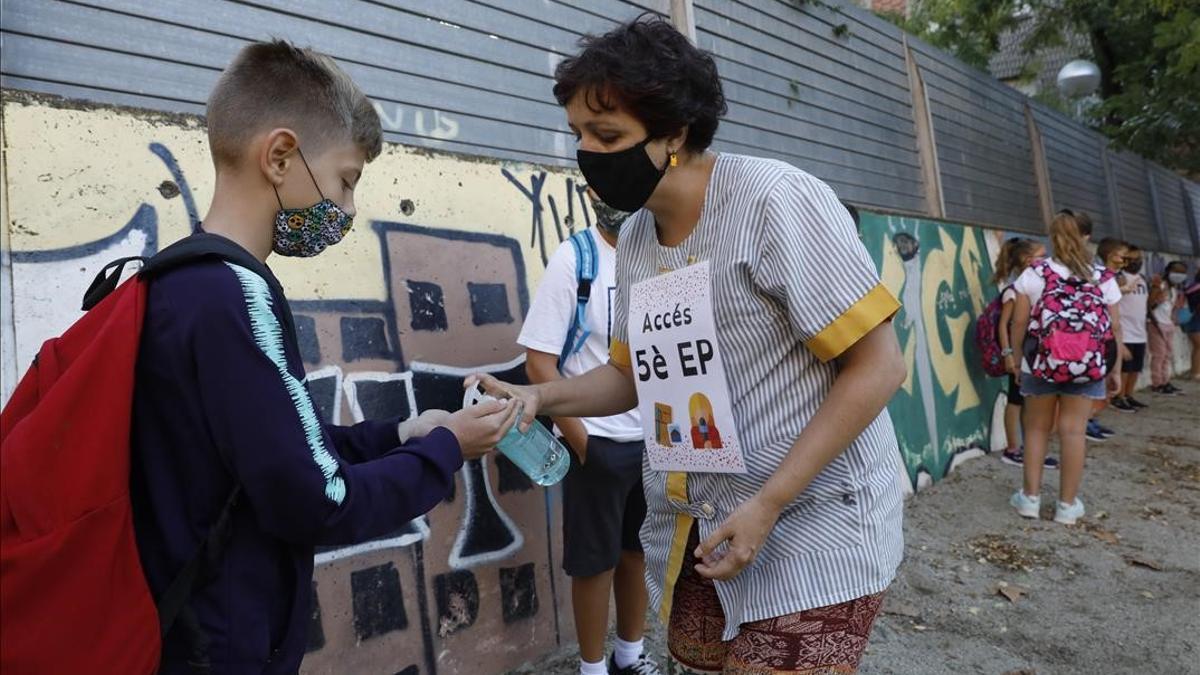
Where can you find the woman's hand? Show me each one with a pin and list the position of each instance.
(745, 531)
(528, 397)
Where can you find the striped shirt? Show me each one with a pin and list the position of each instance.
(793, 288)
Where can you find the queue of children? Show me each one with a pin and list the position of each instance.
(1073, 333)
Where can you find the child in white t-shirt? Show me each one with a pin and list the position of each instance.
(603, 501)
(1071, 400)
(1016, 255)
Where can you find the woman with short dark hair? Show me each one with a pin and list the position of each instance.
(745, 303)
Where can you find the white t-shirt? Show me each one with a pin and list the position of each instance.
(1133, 308)
(1031, 285)
(1163, 311)
(549, 318)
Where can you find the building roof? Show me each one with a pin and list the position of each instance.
(1011, 60)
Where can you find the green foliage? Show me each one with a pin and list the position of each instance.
(1148, 52)
(969, 29)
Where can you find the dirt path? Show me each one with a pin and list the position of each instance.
(1118, 593)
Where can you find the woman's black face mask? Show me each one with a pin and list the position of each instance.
(624, 179)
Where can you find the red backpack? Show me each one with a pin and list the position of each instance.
(73, 597)
(987, 337)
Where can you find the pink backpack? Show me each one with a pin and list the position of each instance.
(987, 337)
(1071, 324)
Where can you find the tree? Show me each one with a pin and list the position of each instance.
(1148, 52)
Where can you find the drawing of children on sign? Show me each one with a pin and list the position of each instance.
(705, 435)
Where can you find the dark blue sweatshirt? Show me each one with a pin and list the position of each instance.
(220, 401)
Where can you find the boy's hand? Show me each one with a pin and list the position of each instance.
(528, 397)
(422, 425)
(480, 427)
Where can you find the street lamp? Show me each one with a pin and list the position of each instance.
(1077, 80)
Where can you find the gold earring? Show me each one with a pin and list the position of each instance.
(674, 159)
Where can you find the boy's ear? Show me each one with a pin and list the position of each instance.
(278, 152)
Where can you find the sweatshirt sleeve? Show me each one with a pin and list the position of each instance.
(366, 440)
(299, 486)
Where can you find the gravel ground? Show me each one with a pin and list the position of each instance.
(983, 591)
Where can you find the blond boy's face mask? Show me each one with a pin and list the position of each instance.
(307, 231)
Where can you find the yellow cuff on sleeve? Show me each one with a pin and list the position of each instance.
(618, 353)
(877, 306)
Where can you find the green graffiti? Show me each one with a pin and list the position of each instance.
(941, 273)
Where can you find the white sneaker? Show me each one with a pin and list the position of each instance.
(1026, 506)
(1067, 514)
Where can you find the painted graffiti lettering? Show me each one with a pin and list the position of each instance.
(429, 123)
(563, 226)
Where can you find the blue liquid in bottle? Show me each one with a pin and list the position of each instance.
(536, 452)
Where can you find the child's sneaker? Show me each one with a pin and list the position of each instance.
(1123, 405)
(1172, 390)
(1013, 456)
(1093, 432)
(1135, 403)
(1016, 457)
(643, 666)
(1026, 506)
(1067, 514)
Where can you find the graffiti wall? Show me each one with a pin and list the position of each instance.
(432, 283)
(948, 408)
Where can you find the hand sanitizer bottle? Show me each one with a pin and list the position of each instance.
(536, 452)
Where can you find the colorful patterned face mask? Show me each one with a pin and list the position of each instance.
(608, 218)
(303, 233)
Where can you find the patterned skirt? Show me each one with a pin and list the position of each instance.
(822, 641)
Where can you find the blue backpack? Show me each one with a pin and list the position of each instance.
(587, 265)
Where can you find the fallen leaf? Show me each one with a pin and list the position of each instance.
(1147, 594)
(918, 626)
(1106, 536)
(973, 610)
(1013, 592)
(1142, 561)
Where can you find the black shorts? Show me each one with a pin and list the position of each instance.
(603, 506)
(1137, 360)
(1014, 391)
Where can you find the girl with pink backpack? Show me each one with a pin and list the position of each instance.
(1064, 316)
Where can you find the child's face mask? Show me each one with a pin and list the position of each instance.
(305, 232)
(608, 218)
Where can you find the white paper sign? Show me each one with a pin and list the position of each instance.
(683, 396)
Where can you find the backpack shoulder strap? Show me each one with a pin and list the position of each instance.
(203, 245)
(587, 267)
